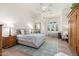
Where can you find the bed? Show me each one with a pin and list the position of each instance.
(32, 40)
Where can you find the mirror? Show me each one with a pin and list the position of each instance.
(37, 27)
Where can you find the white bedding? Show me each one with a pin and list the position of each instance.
(36, 39)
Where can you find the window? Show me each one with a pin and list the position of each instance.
(52, 26)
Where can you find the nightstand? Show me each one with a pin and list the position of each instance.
(9, 41)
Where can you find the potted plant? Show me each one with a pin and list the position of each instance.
(74, 5)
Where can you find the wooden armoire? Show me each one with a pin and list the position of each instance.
(0, 40)
(73, 28)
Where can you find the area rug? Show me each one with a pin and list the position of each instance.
(47, 49)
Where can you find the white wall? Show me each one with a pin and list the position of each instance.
(23, 14)
(64, 18)
(19, 15)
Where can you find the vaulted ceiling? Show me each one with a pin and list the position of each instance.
(25, 11)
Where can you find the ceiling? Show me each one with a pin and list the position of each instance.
(25, 11)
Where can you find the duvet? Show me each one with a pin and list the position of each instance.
(36, 39)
